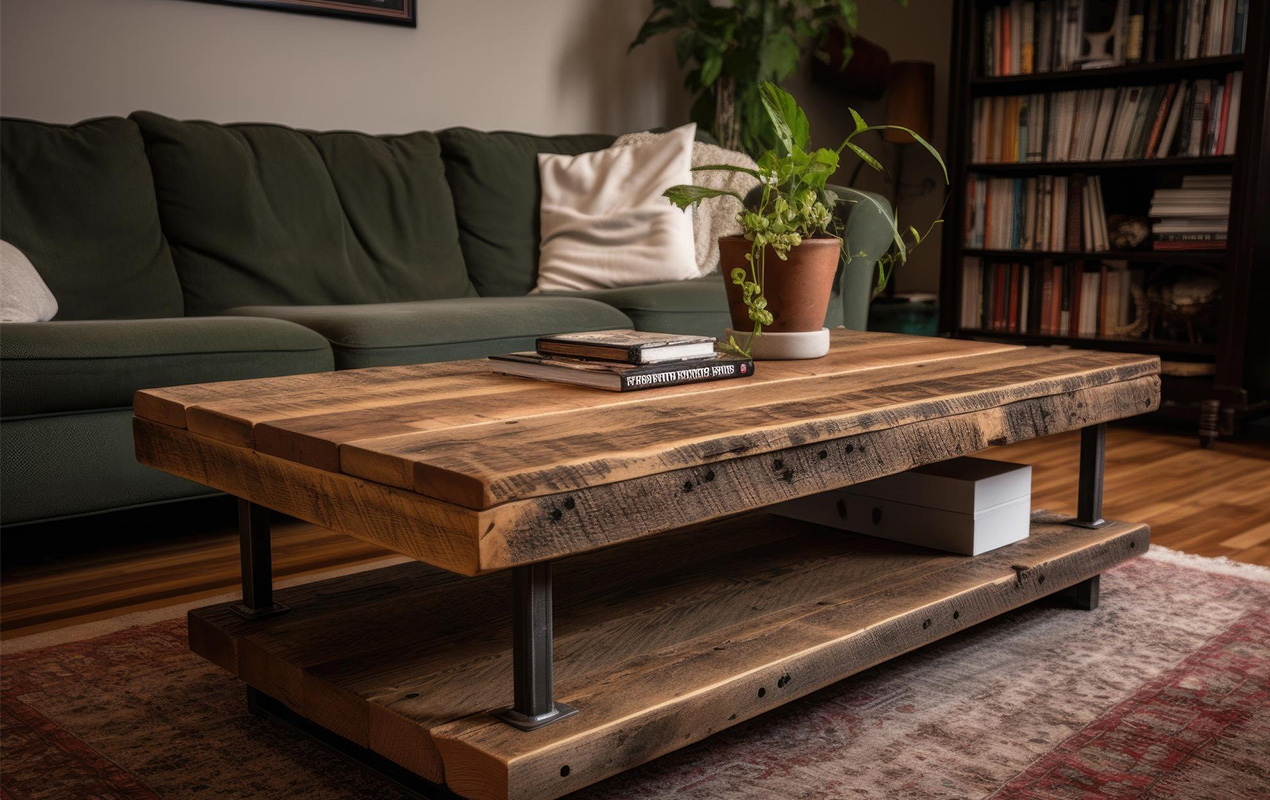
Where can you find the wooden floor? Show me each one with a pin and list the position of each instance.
(1210, 502)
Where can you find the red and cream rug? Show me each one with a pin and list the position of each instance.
(1163, 692)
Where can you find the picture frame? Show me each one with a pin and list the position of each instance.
(390, 12)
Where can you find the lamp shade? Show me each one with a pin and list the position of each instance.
(910, 100)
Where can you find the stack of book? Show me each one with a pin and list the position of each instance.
(623, 360)
(1075, 299)
(1193, 217)
(1188, 118)
(1025, 36)
(1045, 213)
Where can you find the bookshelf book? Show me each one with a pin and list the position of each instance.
(1110, 162)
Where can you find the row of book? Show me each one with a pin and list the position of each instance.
(624, 360)
(1048, 299)
(1029, 36)
(1188, 118)
(1194, 217)
(1044, 213)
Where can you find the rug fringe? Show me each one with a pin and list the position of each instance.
(1220, 565)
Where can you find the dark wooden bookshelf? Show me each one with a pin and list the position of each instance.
(1241, 352)
(1196, 164)
(1127, 75)
(1132, 256)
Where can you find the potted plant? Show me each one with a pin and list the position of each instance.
(780, 272)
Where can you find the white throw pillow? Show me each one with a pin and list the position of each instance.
(24, 297)
(605, 222)
(716, 218)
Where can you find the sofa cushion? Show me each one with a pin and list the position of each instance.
(494, 180)
(78, 200)
(265, 214)
(440, 330)
(56, 367)
(698, 306)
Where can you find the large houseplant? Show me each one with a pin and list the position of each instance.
(730, 47)
(789, 219)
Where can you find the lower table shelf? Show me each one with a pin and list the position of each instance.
(659, 643)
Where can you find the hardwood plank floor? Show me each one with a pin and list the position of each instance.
(1210, 502)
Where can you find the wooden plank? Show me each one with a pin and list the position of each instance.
(480, 466)
(471, 542)
(420, 527)
(632, 714)
(315, 439)
(542, 528)
(229, 411)
(743, 603)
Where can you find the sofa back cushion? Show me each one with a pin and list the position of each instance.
(268, 215)
(78, 201)
(494, 180)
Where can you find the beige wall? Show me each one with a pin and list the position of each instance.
(920, 32)
(549, 66)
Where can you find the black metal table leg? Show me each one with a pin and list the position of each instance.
(257, 567)
(1083, 595)
(1093, 446)
(531, 651)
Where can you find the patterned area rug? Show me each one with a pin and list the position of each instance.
(1163, 692)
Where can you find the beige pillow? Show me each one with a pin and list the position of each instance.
(24, 297)
(605, 222)
(713, 218)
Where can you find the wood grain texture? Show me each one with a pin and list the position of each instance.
(743, 604)
(525, 531)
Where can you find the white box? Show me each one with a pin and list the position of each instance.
(966, 505)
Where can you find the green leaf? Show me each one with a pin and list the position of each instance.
(860, 124)
(864, 156)
(684, 195)
(778, 57)
(710, 69)
(929, 147)
(789, 121)
(727, 168)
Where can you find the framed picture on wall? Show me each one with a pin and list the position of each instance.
(393, 12)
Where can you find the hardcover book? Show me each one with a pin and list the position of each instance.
(626, 346)
(615, 377)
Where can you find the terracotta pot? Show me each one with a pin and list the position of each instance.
(797, 290)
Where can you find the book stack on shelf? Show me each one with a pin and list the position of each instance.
(1044, 213)
(1194, 217)
(1187, 118)
(1026, 37)
(1049, 299)
(623, 360)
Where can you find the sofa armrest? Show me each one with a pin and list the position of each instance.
(868, 233)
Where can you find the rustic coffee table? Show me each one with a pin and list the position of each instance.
(726, 613)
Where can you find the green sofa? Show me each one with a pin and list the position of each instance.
(187, 252)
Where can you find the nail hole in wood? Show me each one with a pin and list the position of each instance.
(709, 475)
(569, 505)
(731, 717)
(1132, 545)
(1040, 580)
(778, 464)
(787, 475)
(762, 691)
(412, 695)
(925, 624)
(687, 486)
(822, 455)
(783, 681)
(564, 771)
(956, 615)
(556, 513)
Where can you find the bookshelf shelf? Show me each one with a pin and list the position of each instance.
(1238, 340)
(1132, 256)
(1126, 345)
(1157, 72)
(1198, 164)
